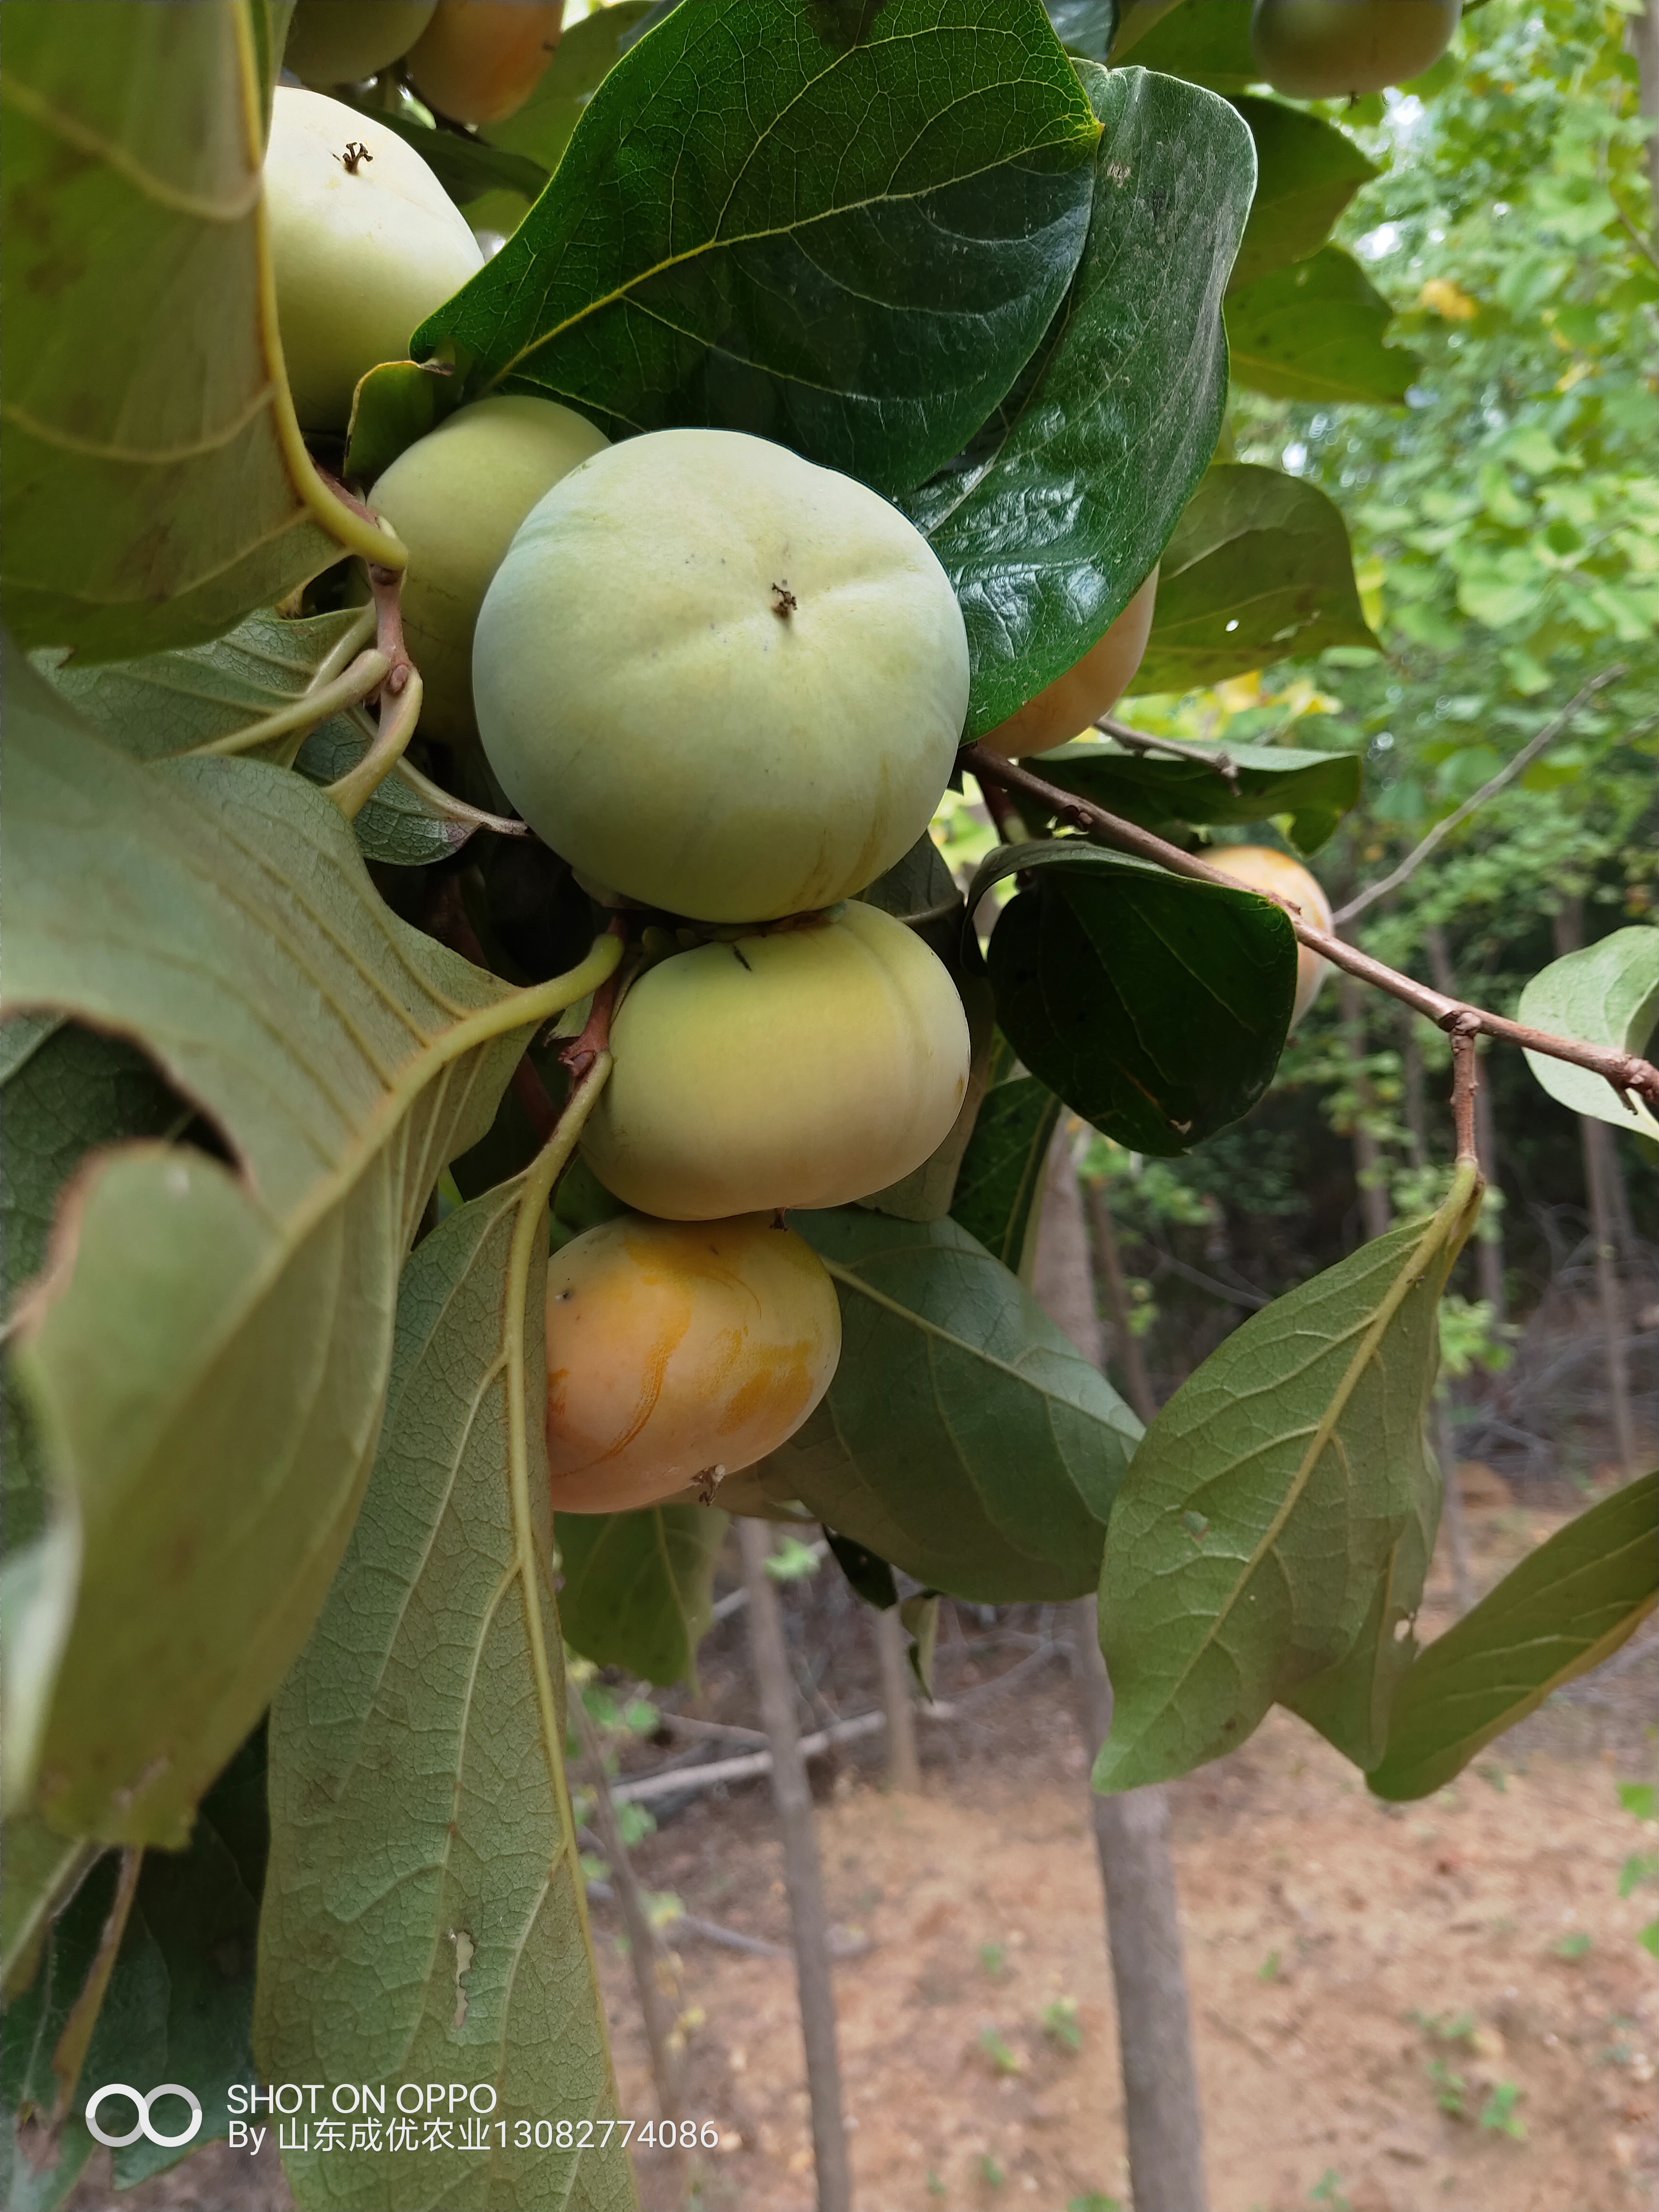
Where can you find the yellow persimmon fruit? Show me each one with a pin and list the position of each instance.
(677, 1352)
(1338, 48)
(1068, 705)
(805, 1067)
(456, 498)
(723, 681)
(478, 61)
(365, 242)
(1261, 868)
(338, 41)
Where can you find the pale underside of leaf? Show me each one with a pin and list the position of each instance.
(1605, 995)
(157, 484)
(1267, 1500)
(424, 1915)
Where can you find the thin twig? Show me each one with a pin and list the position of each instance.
(1211, 757)
(457, 809)
(1466, 1083)
(1505, 776)
(1625, 1071)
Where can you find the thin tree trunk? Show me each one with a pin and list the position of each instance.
(1109, 1264)
(803, 1875)
(903, 1763)
(1488, 1249)
(1163, 2117)
(1369, 1171)
(1602, 1179)
(645, 1952)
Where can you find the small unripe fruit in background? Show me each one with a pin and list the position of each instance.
(338, 41)
(1261, 868)
(725, 681)
(456, 498)
(1067, 707)
(803, 1067)
(478, 61)
(1338, 48)
(678, 1352)
(365, 242)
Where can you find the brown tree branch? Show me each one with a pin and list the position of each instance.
(1142, 741)
(1625, 1071)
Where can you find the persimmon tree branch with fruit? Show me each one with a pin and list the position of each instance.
(700, 440)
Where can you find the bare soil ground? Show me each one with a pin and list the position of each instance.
(1338, 1951)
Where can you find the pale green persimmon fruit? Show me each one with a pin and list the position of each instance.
(1092, 688)
(803, 1066)
(456, 498)
(677, 1352)
(1261, 868)
(365, 241)
(338, 41)
(478, 61)
(1338, 48)
(726, 681)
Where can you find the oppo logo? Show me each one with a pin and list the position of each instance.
(144, 2127)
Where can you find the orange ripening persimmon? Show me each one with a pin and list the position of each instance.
(679, 1351)
(478, 61)
(1085, 692)
(1262, 869)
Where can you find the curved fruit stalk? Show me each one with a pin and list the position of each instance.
(478, 61)
(340, 41)
(365, 243)
(1338, 49)
(677, 1352)
(1087, 691)
(806, 1066)
(728, 683)
(1263, 869)
(456, 498)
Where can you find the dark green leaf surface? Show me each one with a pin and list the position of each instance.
(392, 406)
(587, 53)
(1270, 1497)
(424, 1916)
(872, 1577)
(1316, 332)
(638, 1589)
(1605, 995)
(1000, 1180)
(1566, 1609)
(1052, 520)
(1265, 780)
(212, 1327)
(155, 485)
(1259, 569)
(1306, 174)
(1205, 40)
(964, 1439)
(1156, 1007)
(847, 238)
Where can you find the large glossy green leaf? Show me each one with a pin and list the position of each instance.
(424, 1915)
(155, 484)
(845, 231)
(205, 1333)
(1306, 174)
(587, 53)
(1247, 783)
(638, 1589)
(1051, 519)
(1566, 1609)
(1259, 569)
(1605, 995)
(964, 1439)
(1315, 331)
(1156, 1007)
(1205, 40)
(1001, 1182)
(1270, 1498)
